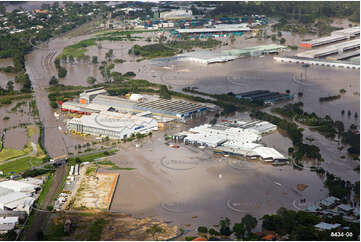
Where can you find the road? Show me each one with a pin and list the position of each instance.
(41, 218)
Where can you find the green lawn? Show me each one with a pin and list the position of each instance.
(46, 188)
(20, 165)
(32, 129)
(92, 157)
(8, 153)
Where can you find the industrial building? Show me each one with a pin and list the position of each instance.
(214, 31)
(326, 226)
(209, 57)
(8, 223)
(332, 49)
(266, 96)
(322, 41)
(345, 56)
(316, 62)
(262, 127)
(18, 195)
(349, 32)
(96, 102)
(172, 108)
(256, 50)
(205, 57)
(234, 137)
(112, 124)
(336, 36)
(88, 95)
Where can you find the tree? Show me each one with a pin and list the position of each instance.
(91, 80)
(249, 222)
(238, 230)
(202, 229)
(53, 81)
(95, 59)
(64, 58)
(62, 72)
(225, 226)
(2, 9)
(342, 91)
(71, 59)
(339, 126)
(154, 230)
(212, 231)
(282, 41)
(10, 86)
(164, 93)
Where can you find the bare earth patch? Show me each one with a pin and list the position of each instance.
(301, 187)
(95, 191)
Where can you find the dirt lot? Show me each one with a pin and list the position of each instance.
(95, 190)
(104, 226)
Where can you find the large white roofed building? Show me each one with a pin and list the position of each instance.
(112, 124)
(18, 186)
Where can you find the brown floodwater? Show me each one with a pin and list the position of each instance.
(16, 138)
(184, 185)
(179, 184)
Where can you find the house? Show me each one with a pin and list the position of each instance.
(329, 202)
(345, 209)
(326, 226)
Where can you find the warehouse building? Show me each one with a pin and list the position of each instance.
(112, 124)
(349, 32)
(223, 30)
(262, 127)
(18, 186)
(335, 36)
(322, 41)
(332, 49)
(172, 108)
(95, 102)
(317, 62)
(256, 50)
(266, 96)
(8, 223)
(18, 195)
(240, 139)
(266, 154)
(88, 95)
(205, 57)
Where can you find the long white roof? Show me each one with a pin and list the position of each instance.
(112, 121)
(8, 220)
(18, 186)
(268, 152)
(214, 30)
(12, 197)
